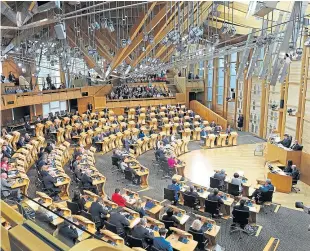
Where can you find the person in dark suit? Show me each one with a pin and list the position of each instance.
(288, 168)
(21, 142)
(98, 211)
(79, 199)
(11, 77)
(176, 188)
(170, 217)
(5, 152)
(241, 207)
(165, 140)
(220, 176)
(69, 231)
(262, 189)
(140, 232)
(120, 221)
(159, 154)
(240, 122)
(87, 181)
(48, 148)
(294, 173)
(90, 107)
(296, 146)
(286, 142)
(216, 197)
(160, 242)
(49, 182)
(197, 226)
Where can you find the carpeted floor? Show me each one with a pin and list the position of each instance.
(290, 226)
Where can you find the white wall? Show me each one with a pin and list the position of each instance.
(55, 106)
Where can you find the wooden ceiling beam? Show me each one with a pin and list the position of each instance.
(168, 54)
(138, 39)
(132, 34)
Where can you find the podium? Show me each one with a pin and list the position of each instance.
(15, 139)
(120, 118)
(97, 131)
(82, 139)
(105, 145)
(123, 126)
(39, 130)
(138, 147)
(153, 140)
(127, 134)
(102, 122)
(145, 145)
(141, 118)
(112, 141)
(89, 137)
(175, 128)
(210, 141)
(167, 129)
(221, 140)
(60, 135)
(275, 153)
(196, 133)
(131, 125)
(68, 132)
(186, 134)
(118, 141)
(232, 139)
(176, 119)
(184, 146)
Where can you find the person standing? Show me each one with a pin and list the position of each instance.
(240, 122)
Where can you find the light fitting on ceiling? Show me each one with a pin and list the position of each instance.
(111, 26)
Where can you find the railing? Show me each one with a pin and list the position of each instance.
(208, 114)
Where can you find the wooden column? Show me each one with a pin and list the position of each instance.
(282, 112)
(236, 91)
(264, 109)
(214, 83)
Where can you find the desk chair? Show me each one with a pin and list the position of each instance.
(74, 207)
(87, 215)
(169, 194)
(134, 242)
(265, 199)
(168, 224)
(168, 172)
(240, 219)
(200, 238)
(214, 183)
(190, 201)
(115, 161)
(110, 227)
(212, 207)
(233, 189)
(128, 175)
(294, 183)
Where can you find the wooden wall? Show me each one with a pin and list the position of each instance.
(207, 114)
(83, 102)
(6, 116)
(305, 168)
(9, 65)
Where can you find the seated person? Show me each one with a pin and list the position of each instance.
(241, 207)
(139, 208)
(237, 181)
(262, 189)
(27, 138)
(295, 173)
(296, 146)
(5, 152)
(160, 154)
(5, 166)
(176, 188)
(212, 124)
(228, 130)
(118, 198)
(170, 217)
(49, 182)
(21, 142)
(215, 197)
(140, 232)
(286, 142)
(173, 137)
(116, 154)
(87, 181)
(221, 176)
(49, 148)
(192, 192)
(160, 242)
(6, 187)
(165, 140)
(141, 135)
(98, 211)
(69, 230)
(196, 226)
(217, 129)
(79, 199)
(119, 220)
(288, 168)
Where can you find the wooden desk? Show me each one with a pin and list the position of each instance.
(226, 207)
(254, 210)
(99, 182)
(155, 211)
(135, 217)
(211, 234)
(131, 197)
(89, 225)
(177, 245)
(112, 238)
(183, 218)
(22, 183)
(66, 213)
(150, 223)
(275, 153)
(280, 179)
(64, 186)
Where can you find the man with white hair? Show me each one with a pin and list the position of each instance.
(140, 232)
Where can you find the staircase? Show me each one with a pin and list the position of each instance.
(170, 82)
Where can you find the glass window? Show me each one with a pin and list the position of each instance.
(232, 81)
(233, 57)
(221, 62)
(210, 75)
(220, 100)
(209, 94)
(201, 69)
(221, 73)
(221, 82)
(233, 69)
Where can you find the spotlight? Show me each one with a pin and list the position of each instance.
(23, 69)
(145, 37)
(19, 64)
(111, 26)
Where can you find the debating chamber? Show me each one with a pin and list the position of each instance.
(155, 125)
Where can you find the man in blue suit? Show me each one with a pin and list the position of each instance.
(203, 135)
(161, 243)
(175, 186)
